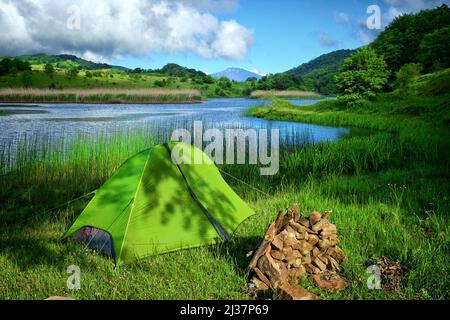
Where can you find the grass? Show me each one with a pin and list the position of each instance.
(286, 94)
(388, 192)
(99, 96)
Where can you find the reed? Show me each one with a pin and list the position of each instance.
(99, 96)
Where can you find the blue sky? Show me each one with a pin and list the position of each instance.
(288, 33)
(208, 35)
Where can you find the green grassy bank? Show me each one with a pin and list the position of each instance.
(388, 191)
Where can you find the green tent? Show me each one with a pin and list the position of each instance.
(154, 205)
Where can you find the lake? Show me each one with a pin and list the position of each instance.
(65, 121)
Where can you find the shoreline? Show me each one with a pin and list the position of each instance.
(101, 96)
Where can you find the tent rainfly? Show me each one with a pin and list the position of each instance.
(153, 205)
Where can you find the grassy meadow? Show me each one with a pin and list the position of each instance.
(286, 94)
(388, 191)
(111, 79)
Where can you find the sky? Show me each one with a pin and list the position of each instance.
(263, 36)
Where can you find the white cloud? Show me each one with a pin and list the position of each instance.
(341, 17)
(398, 7)
(326, 40)
(258, 72)
(113, 28)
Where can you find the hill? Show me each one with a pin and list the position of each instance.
(329, 61)
(318, 74)
(236, 74)
(66, 61)
(419, 38)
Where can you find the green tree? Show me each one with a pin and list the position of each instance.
(400, 43)
(362, 76)
(224, 83)
(49, 70)
(72, 72)
(435, 49)
(27, 79)
(405, 76)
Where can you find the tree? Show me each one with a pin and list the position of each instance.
(27, 79)
(435, 49)
(405, 76)
(224, 83)
(400, 43)
(49, 70)
(5, 66)
(362, 76)
(72, 72)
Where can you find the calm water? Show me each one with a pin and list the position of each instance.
(69, 120)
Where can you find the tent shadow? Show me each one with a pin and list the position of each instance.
(236, 251)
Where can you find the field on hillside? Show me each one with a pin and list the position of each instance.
(119, 80)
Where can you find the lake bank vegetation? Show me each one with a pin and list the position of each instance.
(92, 96)
(392, 184)
(389, 191)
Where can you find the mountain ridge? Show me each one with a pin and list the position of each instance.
(236, 74)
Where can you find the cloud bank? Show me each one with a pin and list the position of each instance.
(114, 28)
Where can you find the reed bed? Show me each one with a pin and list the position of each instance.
(286, 94)
(99, 96)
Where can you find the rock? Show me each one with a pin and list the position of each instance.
(297, 254)
(262, 277)
(305, 248)
(323, 259)
(322, 266)
(326, 214)
(315, 252)
(320, 225)
(277, 242)
(256, 285)
(328, 230)
(330, 282)
(339, 254)
(313, 239)
(275, 271)
(306, 259)
(294, 292)
(314, 217)
(288, 237)
(333, 263)
(296, 272)
(296, 210)
(304, 222)
(276, 254)
(324, 244)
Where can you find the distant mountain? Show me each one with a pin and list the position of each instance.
(236, 74)
(66, 61)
